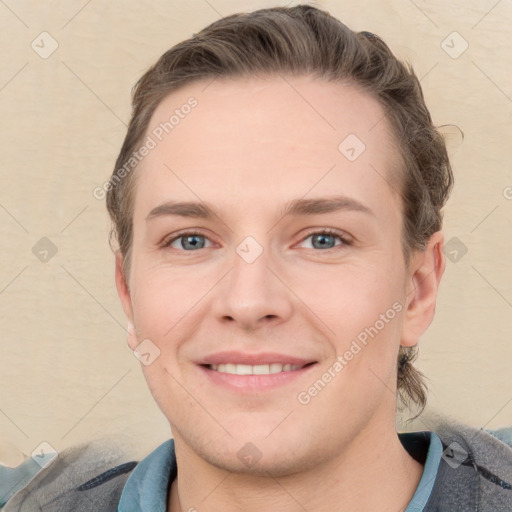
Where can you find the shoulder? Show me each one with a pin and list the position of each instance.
(85, 477)
(475, 472)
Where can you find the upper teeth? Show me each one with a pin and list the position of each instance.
(258, 369)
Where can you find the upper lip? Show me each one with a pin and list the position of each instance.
(231, 357)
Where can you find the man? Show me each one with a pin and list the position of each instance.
(277, 205)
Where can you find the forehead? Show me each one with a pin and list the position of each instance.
(273, 135)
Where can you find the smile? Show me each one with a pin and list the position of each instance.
(259, 369)
(258, 378)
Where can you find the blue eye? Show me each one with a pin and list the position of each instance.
(192, 240)
(325, 240)
(189, 241)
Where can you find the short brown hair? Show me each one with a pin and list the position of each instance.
(304, 40)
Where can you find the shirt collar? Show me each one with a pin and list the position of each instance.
(147, 486)
(426, 483)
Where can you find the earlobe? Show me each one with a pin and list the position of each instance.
(123, 291)
(131, 336)
(426, 269)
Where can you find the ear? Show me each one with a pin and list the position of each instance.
(123, 291)
(425, 271)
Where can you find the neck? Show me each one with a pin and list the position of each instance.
(374, 473)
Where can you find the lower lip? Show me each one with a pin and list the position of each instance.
(255, 383)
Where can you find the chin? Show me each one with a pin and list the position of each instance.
(267, 461)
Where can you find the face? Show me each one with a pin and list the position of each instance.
(291, 255)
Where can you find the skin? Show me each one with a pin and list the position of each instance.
(249, 147)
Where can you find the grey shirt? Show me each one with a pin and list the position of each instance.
(474, 475)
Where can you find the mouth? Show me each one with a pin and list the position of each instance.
(258, 369)
(247, 374)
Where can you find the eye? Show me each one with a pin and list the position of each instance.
(188, 241)
(325, 239)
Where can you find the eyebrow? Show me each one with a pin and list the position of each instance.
(295, 207)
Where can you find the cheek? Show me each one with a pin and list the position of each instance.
(160, 302)
(364, 312)
(349, 298)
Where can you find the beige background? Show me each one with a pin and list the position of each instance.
(67, 374)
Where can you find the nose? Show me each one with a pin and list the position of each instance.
(253, 294)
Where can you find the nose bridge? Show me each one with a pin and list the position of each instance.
(251, 293)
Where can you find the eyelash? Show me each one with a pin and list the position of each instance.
(327, 231)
